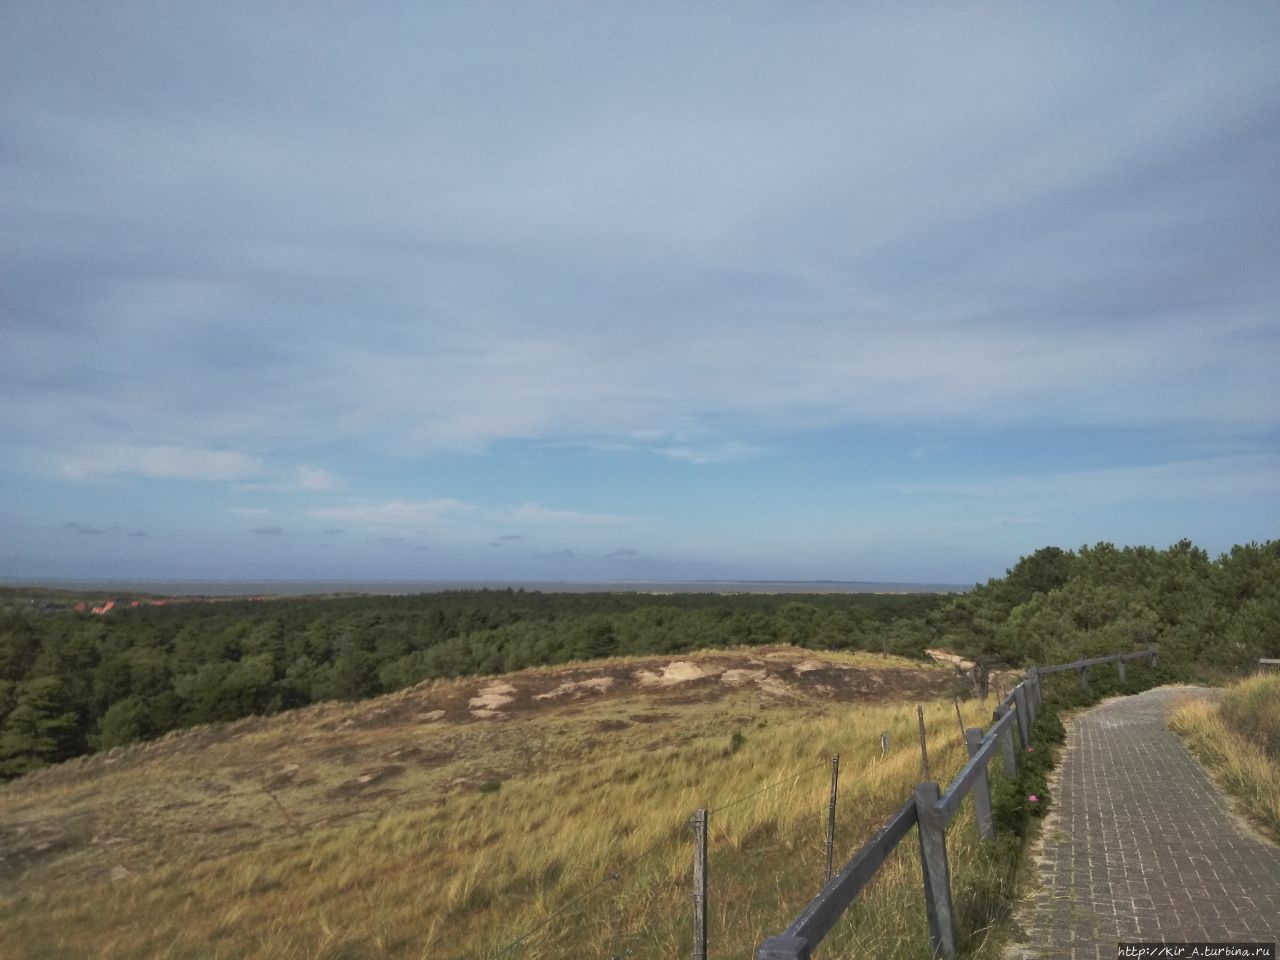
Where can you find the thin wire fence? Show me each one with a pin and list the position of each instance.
(768, 845)
(773, 848)
(614, 916)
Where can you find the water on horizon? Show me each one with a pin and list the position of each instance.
(299, 588)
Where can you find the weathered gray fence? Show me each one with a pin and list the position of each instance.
(1082, 666)
(1265, 665)
(930, 810)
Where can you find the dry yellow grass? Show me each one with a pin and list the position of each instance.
(567, 823)
(1230, 739)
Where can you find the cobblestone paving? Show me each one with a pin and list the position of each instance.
(1142, 846)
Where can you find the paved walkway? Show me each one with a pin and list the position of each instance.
(1141, 845)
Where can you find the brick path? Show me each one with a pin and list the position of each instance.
(1141, 845)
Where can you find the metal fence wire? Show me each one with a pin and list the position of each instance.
(772, 846)
(614, 914)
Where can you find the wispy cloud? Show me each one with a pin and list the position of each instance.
(400, 514)
(535, 513)
(89, 530)
(312, 479)
(159, 463)
(1220, 479)
(423, 515)
(84, 528)
(731, 451)
(179, 462)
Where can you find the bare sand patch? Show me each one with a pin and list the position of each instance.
(946, 656)
(678, 671)
(492, 697)
(806, 666)
(736, 678)
(578, 688)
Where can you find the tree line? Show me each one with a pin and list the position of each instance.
(72, 683)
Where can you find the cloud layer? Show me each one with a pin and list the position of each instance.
(330, 257)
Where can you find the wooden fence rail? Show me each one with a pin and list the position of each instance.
(930, 810)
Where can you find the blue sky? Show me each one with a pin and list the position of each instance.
(608, 291)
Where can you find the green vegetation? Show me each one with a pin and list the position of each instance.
(1056, 606)
(1239, 742)
(74, 683)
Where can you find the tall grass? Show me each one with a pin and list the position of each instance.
(1239, 742)
(592, 860)
(556, 833)
(1252, 709)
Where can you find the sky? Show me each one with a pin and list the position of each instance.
(610, 291)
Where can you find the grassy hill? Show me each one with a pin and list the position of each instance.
(450, 819)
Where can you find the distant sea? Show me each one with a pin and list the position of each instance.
(299, 588)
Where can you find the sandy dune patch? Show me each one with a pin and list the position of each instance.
(946, 656)
(807, 666)
(766, 681)
(492, 697)
(736, 678)
(577, 689)
(678, 671)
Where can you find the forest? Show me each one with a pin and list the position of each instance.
(72, 683)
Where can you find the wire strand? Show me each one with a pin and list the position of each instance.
(615, 874)
(610, 877)
(752, 796)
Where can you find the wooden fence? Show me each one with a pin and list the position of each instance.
(930, 810)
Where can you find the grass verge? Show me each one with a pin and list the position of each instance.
(1239, 742)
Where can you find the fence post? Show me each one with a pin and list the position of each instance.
(1006, 746)
(1124, 674)
(981, 788)
(1020, 703)
(831, 817)
(933, 865)
(1155, 658)
(1033, 694)
(699, 823)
